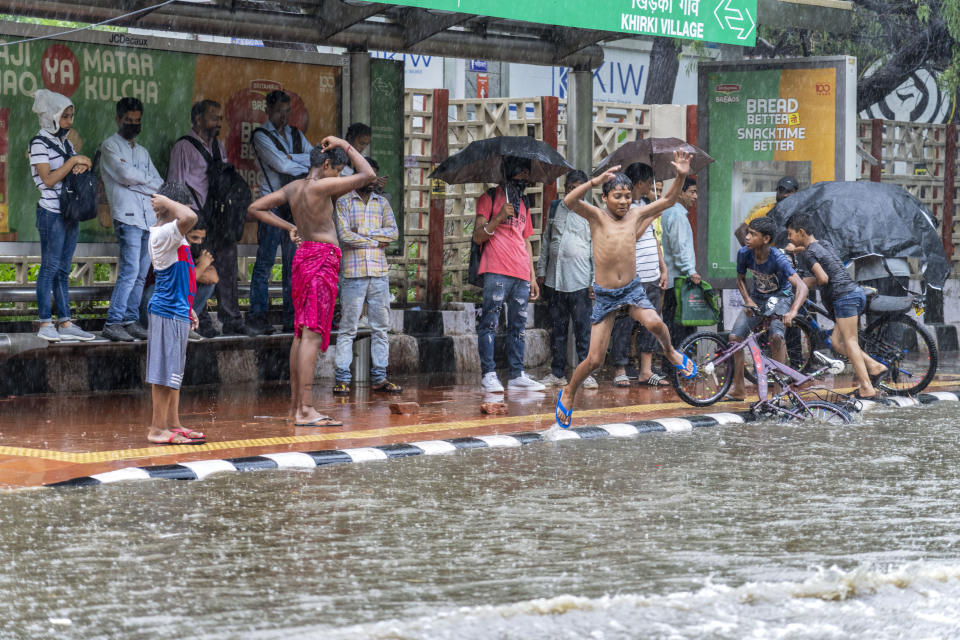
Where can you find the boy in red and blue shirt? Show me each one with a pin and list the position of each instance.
(171, 313)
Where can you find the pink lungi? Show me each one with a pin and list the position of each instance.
(316, 268)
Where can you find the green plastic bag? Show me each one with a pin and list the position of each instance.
(697, 304)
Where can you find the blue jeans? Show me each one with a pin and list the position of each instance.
(268, 238)
(565, 306)
(353, 293)
(515, 292)
(132, 270)
(204, 291)
(58, 240)
(850, 305)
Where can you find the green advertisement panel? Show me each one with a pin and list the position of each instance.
(94, 77)
(386, 120)
(725, 21)
(762, 121)
(96, 68)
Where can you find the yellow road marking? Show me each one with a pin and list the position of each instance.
(463, 425)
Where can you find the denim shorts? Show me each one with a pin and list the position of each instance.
(850, 305)
(745, 324)
(606, 300)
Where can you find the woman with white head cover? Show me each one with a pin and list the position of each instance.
(58, 238)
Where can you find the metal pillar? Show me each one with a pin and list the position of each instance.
(580, 119)
(359, 88)
(438, 201)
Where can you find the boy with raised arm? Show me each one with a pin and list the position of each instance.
(316, 264)
(171, 313)
(841, 294)
(614, 230)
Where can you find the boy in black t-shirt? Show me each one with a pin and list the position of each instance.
(822, 266)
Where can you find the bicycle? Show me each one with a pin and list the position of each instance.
(714, 357)
(895, 339)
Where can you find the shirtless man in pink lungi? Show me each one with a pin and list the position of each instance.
(316, 264)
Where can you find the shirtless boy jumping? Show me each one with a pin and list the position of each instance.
(615, 229)
(316, 265)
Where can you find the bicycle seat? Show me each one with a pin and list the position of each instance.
(889, 304)
(870, 291)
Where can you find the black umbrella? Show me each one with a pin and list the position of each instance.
(869, 218)
(482, 161)
(656, 152)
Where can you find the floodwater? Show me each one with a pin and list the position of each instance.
(746, 531)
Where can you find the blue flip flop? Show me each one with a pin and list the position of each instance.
(683, 367)
(567, 413)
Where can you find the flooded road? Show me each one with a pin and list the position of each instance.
(753, 530)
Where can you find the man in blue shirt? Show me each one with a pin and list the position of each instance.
(774, 284)
(129, 179)
(283, 154)
(677, 244)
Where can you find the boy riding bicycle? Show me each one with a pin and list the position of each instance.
(775, 282)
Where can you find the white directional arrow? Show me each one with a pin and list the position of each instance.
(733, 18)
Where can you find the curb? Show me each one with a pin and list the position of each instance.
(199, 470)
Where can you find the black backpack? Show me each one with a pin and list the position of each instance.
(283, 211)
(228, 197)
(78, 191)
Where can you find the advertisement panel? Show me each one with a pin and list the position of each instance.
(761, 122)
(386, 120)
(99, 68)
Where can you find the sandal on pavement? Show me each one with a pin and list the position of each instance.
(188, 433)
(621, 381)
(341, 389)
(172, 440)
(563, 415)
(387, 387)
(320, 421)
(655, 380)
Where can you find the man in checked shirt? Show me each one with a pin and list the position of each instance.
(365, 226)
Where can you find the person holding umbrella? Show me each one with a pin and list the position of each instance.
(503, 225)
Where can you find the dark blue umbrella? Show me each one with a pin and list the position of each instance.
(870, 218)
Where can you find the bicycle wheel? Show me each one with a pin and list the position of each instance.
(907, 348)
(820, 411)
(712, 381)
(801, 353)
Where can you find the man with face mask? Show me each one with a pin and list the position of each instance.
(129, 179)
(504, 227)
(188, 165)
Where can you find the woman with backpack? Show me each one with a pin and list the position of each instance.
(51, 159)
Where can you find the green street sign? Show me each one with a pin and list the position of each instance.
(725, 21)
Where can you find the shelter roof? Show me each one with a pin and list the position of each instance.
(360, 25)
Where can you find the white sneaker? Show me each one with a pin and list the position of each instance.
(491, 384)
(553, 381)
(590, 383)
(523, 383)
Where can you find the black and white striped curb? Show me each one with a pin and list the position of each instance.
(199, 470)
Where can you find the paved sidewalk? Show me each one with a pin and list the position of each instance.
(47, 440)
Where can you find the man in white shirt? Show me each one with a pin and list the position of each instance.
(130, 179)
